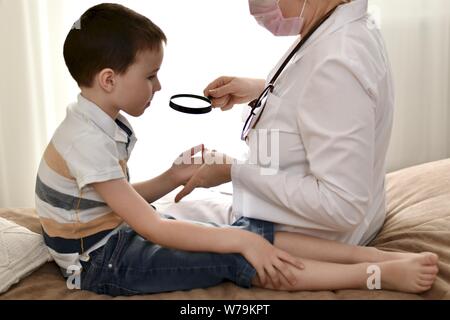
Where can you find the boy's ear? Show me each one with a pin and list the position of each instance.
(107, 79)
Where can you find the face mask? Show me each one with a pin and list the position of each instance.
(268, 14)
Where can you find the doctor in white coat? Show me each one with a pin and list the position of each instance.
(331, 110)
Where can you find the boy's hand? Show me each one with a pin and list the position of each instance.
(186, 165)
(270, 262)
(216, 170)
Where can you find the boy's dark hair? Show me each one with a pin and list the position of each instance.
(108, 36)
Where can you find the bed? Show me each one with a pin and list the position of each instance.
(418, 219)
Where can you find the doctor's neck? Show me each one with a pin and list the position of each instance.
(316, 9)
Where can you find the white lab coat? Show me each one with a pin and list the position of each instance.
(333, 107)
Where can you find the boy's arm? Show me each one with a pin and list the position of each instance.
(125, 201)
(153, 189)
(178, 174)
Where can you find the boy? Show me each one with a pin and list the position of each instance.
(83, 194)
(94, 219)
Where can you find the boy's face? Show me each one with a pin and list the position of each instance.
(136, 87)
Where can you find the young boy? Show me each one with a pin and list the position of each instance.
(91, 215)
(94, 219)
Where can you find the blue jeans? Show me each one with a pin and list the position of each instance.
(129, 264)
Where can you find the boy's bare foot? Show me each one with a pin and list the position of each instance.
(413, 275)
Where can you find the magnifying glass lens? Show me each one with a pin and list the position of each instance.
(192, 104)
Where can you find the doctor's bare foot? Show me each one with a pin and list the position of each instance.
(414, 274)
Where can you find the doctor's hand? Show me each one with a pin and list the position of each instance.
(225, 92)
(186, 165)
(216, 170)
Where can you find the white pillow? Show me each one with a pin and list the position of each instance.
(21, 252)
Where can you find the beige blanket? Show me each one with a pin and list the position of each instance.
(418, 220)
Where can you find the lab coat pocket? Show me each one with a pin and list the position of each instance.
(284, 117)
(270, 112)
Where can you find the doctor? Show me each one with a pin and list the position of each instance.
(330, 102)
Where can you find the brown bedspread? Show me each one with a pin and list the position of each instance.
(418, 220)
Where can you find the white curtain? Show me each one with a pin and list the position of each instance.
(29, 89)
(417, 34)
(207, 38)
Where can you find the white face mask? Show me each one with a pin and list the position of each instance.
(268, 14)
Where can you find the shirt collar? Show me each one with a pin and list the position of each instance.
(344, 14)
(94, 113)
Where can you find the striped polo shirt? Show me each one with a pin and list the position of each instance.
(88, 147)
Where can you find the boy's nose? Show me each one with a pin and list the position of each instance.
(158, 86)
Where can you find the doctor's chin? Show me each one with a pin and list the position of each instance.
(220, 151)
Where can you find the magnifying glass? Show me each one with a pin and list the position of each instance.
(190, 103)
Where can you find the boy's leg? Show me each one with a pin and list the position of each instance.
(416, 274)
(129, 265)
(332, 251)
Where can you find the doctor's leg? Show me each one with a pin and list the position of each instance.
(333, 251)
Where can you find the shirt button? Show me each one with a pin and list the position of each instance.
(110, 265)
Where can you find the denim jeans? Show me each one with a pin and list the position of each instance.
(129, 264)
